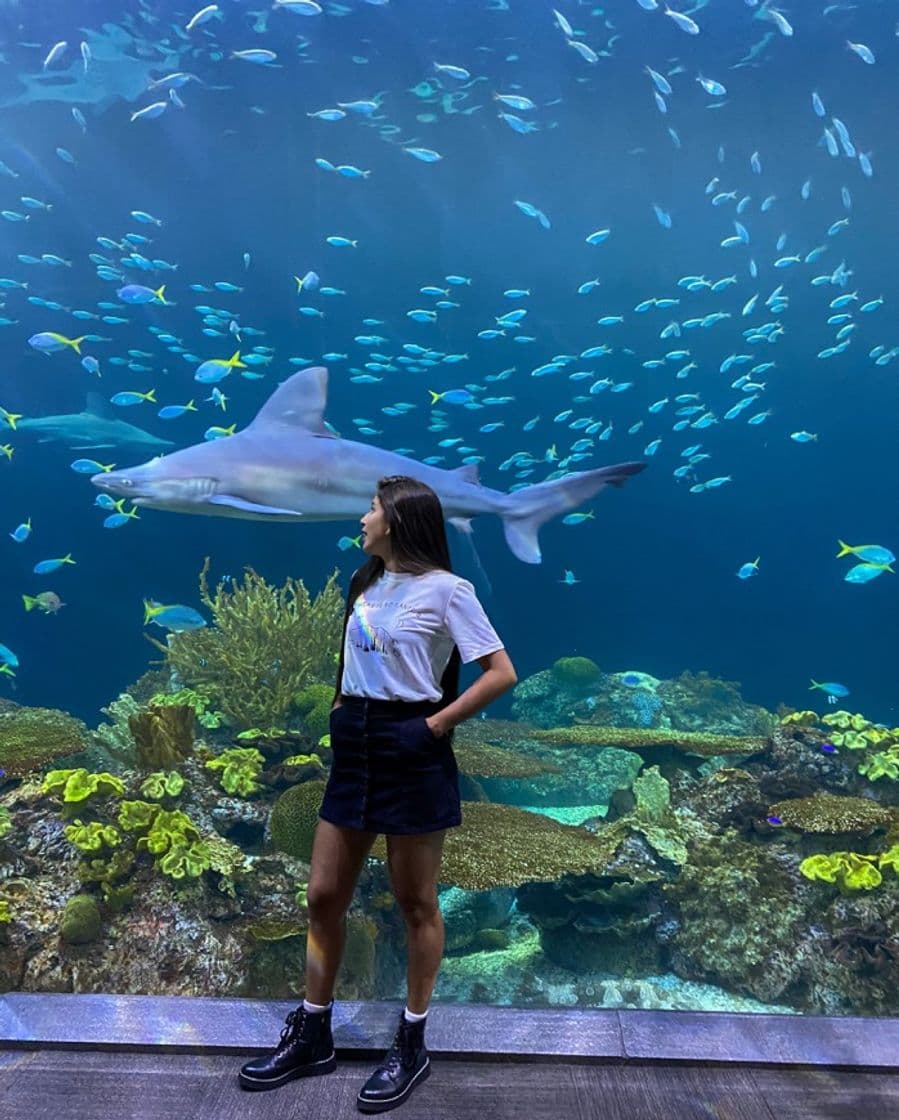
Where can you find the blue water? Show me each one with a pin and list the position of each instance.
(233, 172)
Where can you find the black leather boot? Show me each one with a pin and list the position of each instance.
(306, 1049)
(405, 1065)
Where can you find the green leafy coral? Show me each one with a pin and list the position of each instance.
(162, 784)
(75, 786)
(200, 699)
(239, 766)
(266, 645)
(112, 838)
(855, 732)
(851, 870)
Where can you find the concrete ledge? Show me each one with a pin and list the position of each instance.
(178, 1024)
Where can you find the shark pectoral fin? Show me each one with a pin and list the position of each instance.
(250, 507)
(463, 525)
(89, 446)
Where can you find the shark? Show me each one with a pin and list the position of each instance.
(95, 427)
(288, 464)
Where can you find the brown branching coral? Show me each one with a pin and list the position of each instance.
(267, 644)
(637, 738)
(164, 735)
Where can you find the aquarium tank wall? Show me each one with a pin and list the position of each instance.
(618, 281)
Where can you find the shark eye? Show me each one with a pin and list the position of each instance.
(125, 482)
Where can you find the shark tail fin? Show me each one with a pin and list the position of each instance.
(526, 510)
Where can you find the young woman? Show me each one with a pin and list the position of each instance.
(409, 624)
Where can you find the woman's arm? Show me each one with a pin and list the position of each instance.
(498, 677)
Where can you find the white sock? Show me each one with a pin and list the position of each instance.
(316, 1007)
(411, 1017)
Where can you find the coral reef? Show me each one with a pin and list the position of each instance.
(294, 818)
(266, 645)
(199, 699)
(852, 870)
(828, 812)
(542, 700)
(81, 922)
(313, 704)
(164, 735)
(240, 767)
(34, 738)
(575, 672)
(750, 854)
(690, 742)
(115, 737)
(739, 908)
(699, 701)
(481, 751)
(695, 702)
(502, 846)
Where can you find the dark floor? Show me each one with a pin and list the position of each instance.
(66, 1084)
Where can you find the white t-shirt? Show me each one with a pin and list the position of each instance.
(401, 634)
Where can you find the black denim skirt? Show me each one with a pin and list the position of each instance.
(389, 772)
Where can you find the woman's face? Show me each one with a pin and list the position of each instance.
(376, 538)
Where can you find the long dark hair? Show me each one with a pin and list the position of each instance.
(418, 534)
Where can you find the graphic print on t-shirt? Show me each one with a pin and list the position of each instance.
(364, 636)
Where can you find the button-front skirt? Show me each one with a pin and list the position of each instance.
(389, 773)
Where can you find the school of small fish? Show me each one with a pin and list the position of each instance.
(692, 354)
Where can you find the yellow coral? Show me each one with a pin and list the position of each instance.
(805, 717)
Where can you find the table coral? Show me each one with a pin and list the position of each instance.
(33, 738)
(637, 738)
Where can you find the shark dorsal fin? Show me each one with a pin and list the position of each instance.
(468, 472)
(98, 405)
(298, 402)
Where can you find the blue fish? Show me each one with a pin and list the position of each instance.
(45, 567)
(175, 617)
(833, 690)
(22, 532)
